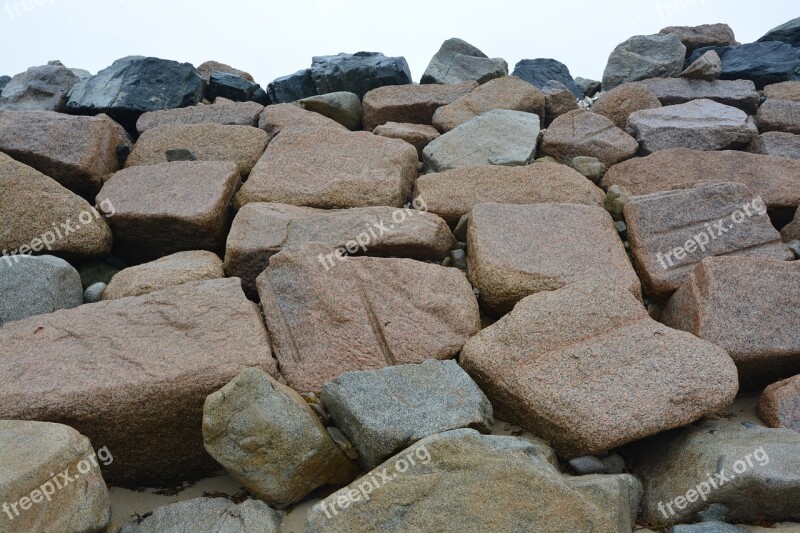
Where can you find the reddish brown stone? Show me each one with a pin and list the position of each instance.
(779, 115)
(791, 231)
(225, 113)
(276, 118)
(582, 132)
(694, 37)
(776, 144)
(210, 67)
(787, 90)
(418, 135)
(779, 404)
(414, 104)
(618, 103)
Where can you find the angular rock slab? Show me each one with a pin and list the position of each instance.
(787, 90)
(558, 100)
(33, 208)
(261, 230)
(453, 193)
(225, 113)
(153, 361)
(210, 67)
(276, 118)
(538, 72)
(444, 489)
(517, 250)
(694, 37)
(77, 152)
(30, 454)
(357, 73)
(242, 145)
(497, 137)
(742, 459)
(642, 57)
(268, 438)
(740, 94)
(291, 88)
(382, 412)
(618, 103)
(43, 88)
(779, 115)
(791, 231)
(417, 135)
(209, 515)
(331, 168)
(587, 369)
(583, 133)
(170, 207)
(763, 63)
(458, 61)
(342, 106)
(697, 125)
(776, 144)
(707, 67)
(361, 313)
(779, 404)
(712, 219)
(413, 104)
(775, 179)
(788, 32)
(760, 333)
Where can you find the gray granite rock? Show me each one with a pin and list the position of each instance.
(342, 106)
(35, 285)
(736, 93)
(94, 293)
(44, 88)
(707, 67)
(589, 86)
(209, 515)
(642, 57)
(777, 144)
(458, 61)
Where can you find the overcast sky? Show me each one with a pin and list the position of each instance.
(271, 39)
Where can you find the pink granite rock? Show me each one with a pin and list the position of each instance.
(414, 104)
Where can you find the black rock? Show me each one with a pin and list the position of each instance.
(134, 85)
(358, 73)
(179, 154)
(538, 72)
(762, 62)
(3, 82)
(291, 88)
(260, 96)
(230, 86)
(785, 33)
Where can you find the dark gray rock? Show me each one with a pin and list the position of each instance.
(558, 100)
(291, 88)
(642, 57)
(96, 271)
(43, 88)
(134, 85)
(3, 82)
(588, 86)
(587, 464)
(735, 93)
(94, 293)
(35, 285)
(343, 107)
(385, 411)
(538, 72)
(230, 86)
(209, 515)
(716, 512)
(457, 61)
(785, 33)
(358, 73)
(762, 62)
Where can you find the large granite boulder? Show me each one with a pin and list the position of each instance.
(44, 88)
(538, 72)
(458, 61)
(785, 90)
(277, 118)
(776, 144)
(36, 285)
(642, 57)
(583, 133)
(741, 94)
(779, 404)
(226, 113)
(209, 515)
(413, 104)
(341, 106)
(558, 100)
(779, 115)
(417, 135)
(707, 67)
(788, 32)
(618, 103)
(763, 62)
(358, 73)
(694, 37)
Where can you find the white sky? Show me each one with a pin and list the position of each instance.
(271, 39)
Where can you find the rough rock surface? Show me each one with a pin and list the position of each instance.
(43, 88)
(707, 67)
(413, 104)
(586, 368)
(776, 144)
(386, 312)
(444, 489)
(538, 72)
(564, 243)
(792, 230)
(36, 285)
(458, 61)
(763, 62)
(357, 73)
(787, 90)
(261, 230)
(382, 412)
(618, 103)
(454, 193)
(779, 115)
(153, 361)
(642, 57)
(741, 94)
(175, 269)
(694, 37)
(779, 404)
(210, 67)
(330, 168)
(585, 133)
(30, 453)
(277, 118)
(226, 113)
(233, 87)
(341, 106)
(788, 32)
(266, 436)
(417, 135)
(291, 88)
(209, 515)
(558, 100)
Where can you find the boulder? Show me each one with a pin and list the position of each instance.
(458, 61)
(563, 244)
(34, 497)
(134, 85)
(760, 336)
(441, 484)
(242, 145)
(779, 404)
(153, 361)
(268, 439)
(538, 72)
(585, 133)
(763, 63)
(558, 100)
(779, 115)
(587, 369)
(357, 73)
(414, 104)
(170, 207)
(417, 135)
(36, 213)
(225, 113)
(175, 269)
(707, 67)
(3, 82)
(454, 193)
(44, 88)
(671, 231)
(590, 167)
(77, 152)
(786, 90)
(497, 137)
(387, 312)
(642, 57)
(382, 412)
(330, 168)
(209, 515)
(292, 87)
(502, 93)
(618, 103)
(697, 125)
(776, 144)
(261, 230)
(719, 461)
(35, 285)
(276, 118)
(741, 94)
(791, 231)
(694, 37)
(210, 67)
(589, 86)
(775, 179)
(233, 87)
(343, 107)
(94, 293)
(788, 32)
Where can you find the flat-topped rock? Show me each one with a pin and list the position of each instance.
(332, 168)
(538, 72)
(517, 250)
(357, 73)
(210, 67)
(417, 135)
(277, 118)
(225, 113)
(170, 207)
(242, 145)
(763, 63)
(453, 193)
(779, 115)
(154, 359)
(775, 179)
(209, 515)
(261, 230)
(458, 61)
(761, 336)
(618, 103)
(583, 133)
(586, 368)
(642, 57)
(777, 144)
(787, 90)
(671, 231)
(694, 37)
(740, 94)
(413, 104)
(779, 404)
(77, 152)
(387, 312)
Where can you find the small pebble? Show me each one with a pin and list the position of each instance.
(94, 293)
